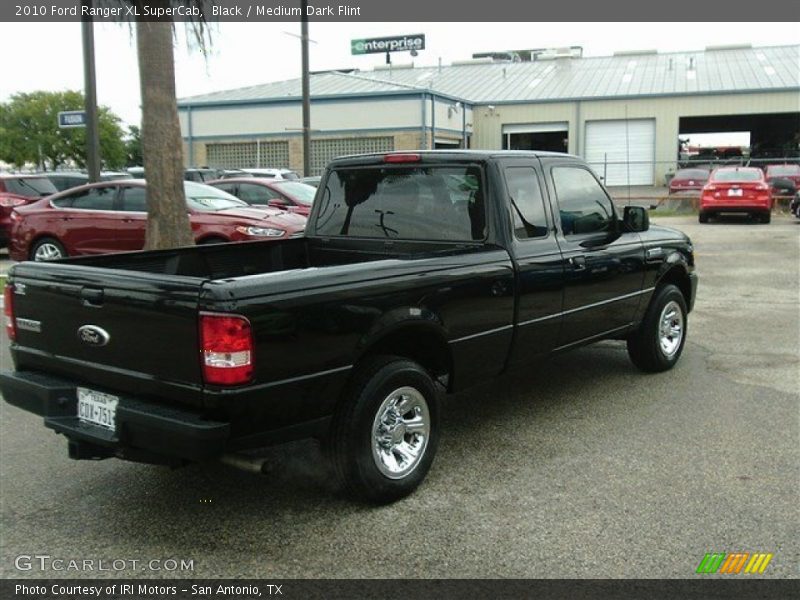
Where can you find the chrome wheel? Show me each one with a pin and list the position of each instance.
(47, 251)
(670, 328)
(400, 432)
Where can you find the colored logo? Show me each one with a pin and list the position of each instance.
(735, 562)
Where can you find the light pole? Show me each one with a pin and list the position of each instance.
(306, 90)
(90, 100)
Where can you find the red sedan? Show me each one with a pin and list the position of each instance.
(736, 190)
(293, 196)
(19, 190)
(111, 217)
(688, 181)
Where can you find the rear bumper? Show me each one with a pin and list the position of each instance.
(144, 430)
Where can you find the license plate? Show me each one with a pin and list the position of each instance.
(97, 408)
(734, 192)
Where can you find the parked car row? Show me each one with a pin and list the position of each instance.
(784, 180)
(111, 217)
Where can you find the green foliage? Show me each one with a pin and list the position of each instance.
(29, 132)
(133, 147)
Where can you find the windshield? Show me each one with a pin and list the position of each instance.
(30, 186)
(783, 170)
(210, 199)
(302, 193)
(701, 174)
(738, 175)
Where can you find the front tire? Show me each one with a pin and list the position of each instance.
(385, 432)
(47, 249)
(658, 343)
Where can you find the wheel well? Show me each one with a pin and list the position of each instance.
(678, 277)
(212, 239)
(423, 345)
(39, 238)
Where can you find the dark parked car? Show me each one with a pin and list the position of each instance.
(111, 217)
(786, 171)
(19, 190)
(794, 207)
(200, 174)
(293, 196)
(311, 180)
(262, 173)
(64, 180)
(421, 274)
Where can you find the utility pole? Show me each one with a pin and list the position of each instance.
(306, 90)
(90, 93)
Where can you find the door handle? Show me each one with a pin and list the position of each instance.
(578, 263)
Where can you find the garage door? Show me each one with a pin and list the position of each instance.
(623, 150)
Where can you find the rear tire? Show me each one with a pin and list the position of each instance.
(658, 343)
(386, 430)
(766, 218)
(47, 249)
(703, 217)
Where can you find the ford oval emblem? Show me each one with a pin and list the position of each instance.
(93, 335)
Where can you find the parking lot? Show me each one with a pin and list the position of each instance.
(582, 467)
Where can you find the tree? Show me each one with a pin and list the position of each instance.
(162, 147)
(133, 147)
(29, 132)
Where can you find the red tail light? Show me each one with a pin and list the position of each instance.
(8, 311)
(226, 349)
(402, 158)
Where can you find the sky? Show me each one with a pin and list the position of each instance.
(48, 56)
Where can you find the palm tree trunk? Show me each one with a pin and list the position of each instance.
(167, 220)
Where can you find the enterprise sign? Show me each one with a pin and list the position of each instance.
(400, 43)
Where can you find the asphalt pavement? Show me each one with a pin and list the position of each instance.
(582, 467)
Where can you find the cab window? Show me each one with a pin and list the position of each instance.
(583, 205)
(527, 203)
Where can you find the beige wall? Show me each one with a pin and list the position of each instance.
(403, 140)
(325, 116)
(666, 112)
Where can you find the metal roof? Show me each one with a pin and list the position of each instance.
(723, 70)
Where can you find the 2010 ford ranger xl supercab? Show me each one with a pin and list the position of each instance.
(420, 274)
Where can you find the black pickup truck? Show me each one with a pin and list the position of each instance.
(420, 274)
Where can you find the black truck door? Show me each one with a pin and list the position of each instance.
(540, 272)
(604, 266)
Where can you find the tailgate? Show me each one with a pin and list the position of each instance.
(124, 331)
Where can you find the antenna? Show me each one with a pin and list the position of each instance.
(627, 155)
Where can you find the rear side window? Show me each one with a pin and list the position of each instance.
(582, 204)
(530, 220)
(134, 199)
(410, 203)
(101, 198)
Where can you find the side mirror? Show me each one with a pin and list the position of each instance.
(636, 218)
(277, 203)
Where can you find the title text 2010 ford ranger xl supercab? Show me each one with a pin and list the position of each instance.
(420, 273)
